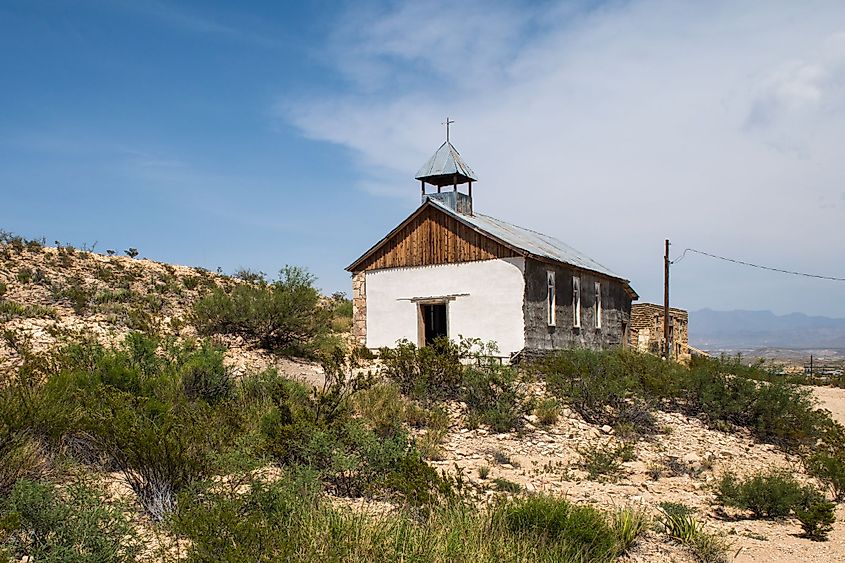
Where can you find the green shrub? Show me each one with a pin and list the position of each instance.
(816, 514)
(75, 293)
(191, 282)
(506, 485)
(382, 407)
(620, 388)
(584, 529)
(25, 275)
(435, 421)
(128, 407)
(260, 525)
(74, 524)
(709, 548)
(204, 376)
(547, 411)
(829, 468)
(494, 396)
(315, 429)
(119, 295)
(492, 391)
(775, 412)
(282, 316)
(604, 461)
(341, 309)
(160, 450)
(611, 387)
(11, 309)
(772, 495)
(21, 457)
(250, 276)
(429, 373)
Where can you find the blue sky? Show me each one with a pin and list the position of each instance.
(268, 133)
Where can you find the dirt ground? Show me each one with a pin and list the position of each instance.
(832, 399)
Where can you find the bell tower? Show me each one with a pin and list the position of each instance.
(447, 168)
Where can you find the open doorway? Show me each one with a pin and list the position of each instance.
(433, 322)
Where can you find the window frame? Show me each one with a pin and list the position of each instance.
(598, 305)
(551, 299)
(576, 302)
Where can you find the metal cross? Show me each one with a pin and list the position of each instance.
(447, 123)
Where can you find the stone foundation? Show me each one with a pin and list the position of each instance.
(359, 308)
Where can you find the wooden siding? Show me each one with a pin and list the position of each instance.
(431, 238)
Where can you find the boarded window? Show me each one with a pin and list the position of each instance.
(550, 298)
(576, 302)
(597, 305)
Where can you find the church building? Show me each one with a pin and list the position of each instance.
(450, 271)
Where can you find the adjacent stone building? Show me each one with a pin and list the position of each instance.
(647, 330)
(447, 270)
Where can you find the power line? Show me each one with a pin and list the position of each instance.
(794, 273)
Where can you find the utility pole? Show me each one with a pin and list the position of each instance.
(666, 302)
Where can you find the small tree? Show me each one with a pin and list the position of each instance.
(131, 252)
(280, 315)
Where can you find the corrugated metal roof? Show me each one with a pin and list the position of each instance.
(529, 241)
(446, 162)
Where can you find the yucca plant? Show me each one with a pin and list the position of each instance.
(628, 524)
(679, 526)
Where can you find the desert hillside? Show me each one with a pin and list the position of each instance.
(146, 400)
(52, 295)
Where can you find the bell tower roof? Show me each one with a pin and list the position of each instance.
(446, 168)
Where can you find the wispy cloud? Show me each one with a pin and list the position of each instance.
(611, 126)
(196, 22)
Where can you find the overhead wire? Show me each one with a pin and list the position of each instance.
(744, 263)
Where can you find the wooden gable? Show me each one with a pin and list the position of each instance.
(431, 237)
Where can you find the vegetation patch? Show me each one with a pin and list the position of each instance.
(605, 461)
(765, 495)
(74, 523)
(283, 315)
(11, 309)
(680, 525)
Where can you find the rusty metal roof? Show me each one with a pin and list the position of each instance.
(442, 168)
(526, 240)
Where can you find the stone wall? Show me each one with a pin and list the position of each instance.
(647, 330)
(359, 308)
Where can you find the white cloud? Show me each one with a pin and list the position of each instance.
(717, 124)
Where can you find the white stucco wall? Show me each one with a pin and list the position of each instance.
(491, 308)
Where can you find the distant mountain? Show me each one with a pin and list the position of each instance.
(710, 329)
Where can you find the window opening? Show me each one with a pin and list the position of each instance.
(598, 305)
(435, 323)
(576, 302)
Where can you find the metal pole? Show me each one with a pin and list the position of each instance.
(666, 302)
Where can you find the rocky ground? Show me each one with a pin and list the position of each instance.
(58, 294)
(679, 465)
